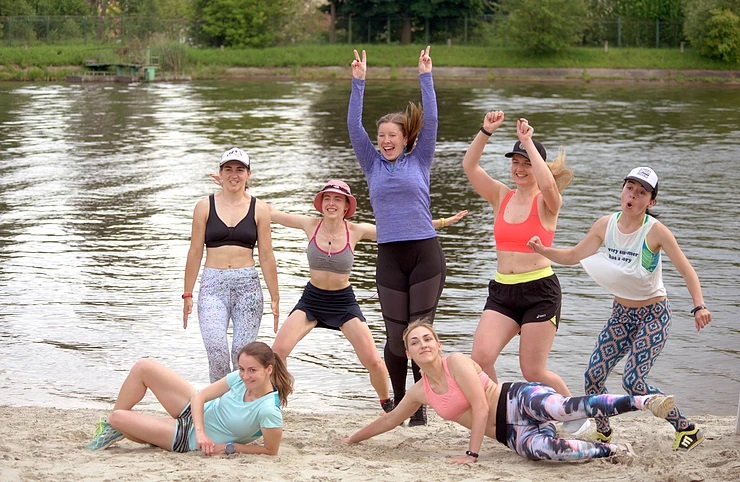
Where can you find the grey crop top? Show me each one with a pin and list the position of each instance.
(340, 262)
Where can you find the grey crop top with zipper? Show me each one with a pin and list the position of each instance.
(339, 262)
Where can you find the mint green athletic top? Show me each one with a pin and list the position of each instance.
(230, 419)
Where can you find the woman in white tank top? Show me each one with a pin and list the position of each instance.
(630, 268)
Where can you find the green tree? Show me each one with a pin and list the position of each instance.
(242, 23)
(543, 26)
(713, 27)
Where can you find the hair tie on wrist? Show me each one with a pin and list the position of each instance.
(698, 308)
(489, 134)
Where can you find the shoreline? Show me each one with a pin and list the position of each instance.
(40, 444)
(729, 77)
(76, 74)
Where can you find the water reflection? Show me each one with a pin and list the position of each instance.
(98, 183)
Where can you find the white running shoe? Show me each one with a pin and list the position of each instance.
(660, 405)
(576, 428)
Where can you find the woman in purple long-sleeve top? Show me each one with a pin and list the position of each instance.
(410, 268)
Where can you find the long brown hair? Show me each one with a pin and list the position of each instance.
(410, 121)
(281, 377)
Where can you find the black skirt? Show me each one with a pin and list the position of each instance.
(331, 309)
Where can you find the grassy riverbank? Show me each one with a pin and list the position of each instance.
(54, 62)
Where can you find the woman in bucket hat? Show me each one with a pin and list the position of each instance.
(630, 268)
(230, 224)
(328, 300)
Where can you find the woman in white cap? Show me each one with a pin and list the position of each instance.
(230, 224)
(328, 300)
(630, 267)
(524, 298)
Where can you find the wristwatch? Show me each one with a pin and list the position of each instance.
(229, 448)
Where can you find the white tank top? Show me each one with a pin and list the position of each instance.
(626, 267)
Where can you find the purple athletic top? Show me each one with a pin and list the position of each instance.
(399, 192)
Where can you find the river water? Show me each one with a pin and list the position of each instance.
(98, 183)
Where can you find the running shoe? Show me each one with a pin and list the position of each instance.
(604, 437)
(388, 405)
(419, 417)
(624, 454)
(104, 437)
(688, 439)
(575, 428)
(660, 405)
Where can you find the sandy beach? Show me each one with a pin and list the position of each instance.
(48, 444)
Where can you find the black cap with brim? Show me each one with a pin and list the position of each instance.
(519, 149)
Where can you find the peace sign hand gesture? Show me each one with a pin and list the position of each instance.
(359, 66)
(425, 61)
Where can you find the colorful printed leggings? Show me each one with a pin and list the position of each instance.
(640, 333)
(226, 294)
(531, 408)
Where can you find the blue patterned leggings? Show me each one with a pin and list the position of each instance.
(226, 294)
(640, 334)
(532, 407)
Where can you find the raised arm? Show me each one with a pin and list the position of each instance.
(426, 142)
(267, 259)
(361, 143)
(545, 180)
(585, 248)
(488, 188)
(666, 241)
(463, 370)
(195, 256)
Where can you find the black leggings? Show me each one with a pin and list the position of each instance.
(410, 276)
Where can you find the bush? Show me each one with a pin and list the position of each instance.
(543, 26)
(713, 27)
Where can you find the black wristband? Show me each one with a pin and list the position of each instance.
(489, 134)
(470, 453)
(697, 308)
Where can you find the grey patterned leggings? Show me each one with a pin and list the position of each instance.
(226, 294)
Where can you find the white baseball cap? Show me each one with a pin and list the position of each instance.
(235, 154)
(646, 177)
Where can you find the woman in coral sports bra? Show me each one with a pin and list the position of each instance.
(524, 297)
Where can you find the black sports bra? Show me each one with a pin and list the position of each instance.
(218, 234)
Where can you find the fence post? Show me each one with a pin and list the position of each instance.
(426, 31)
(349, 29)
(619, 31)
(606, 46)
(657, 33)
(388, 30)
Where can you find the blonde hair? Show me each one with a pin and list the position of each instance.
(410, 122)
(563, 175)
(280, 377)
